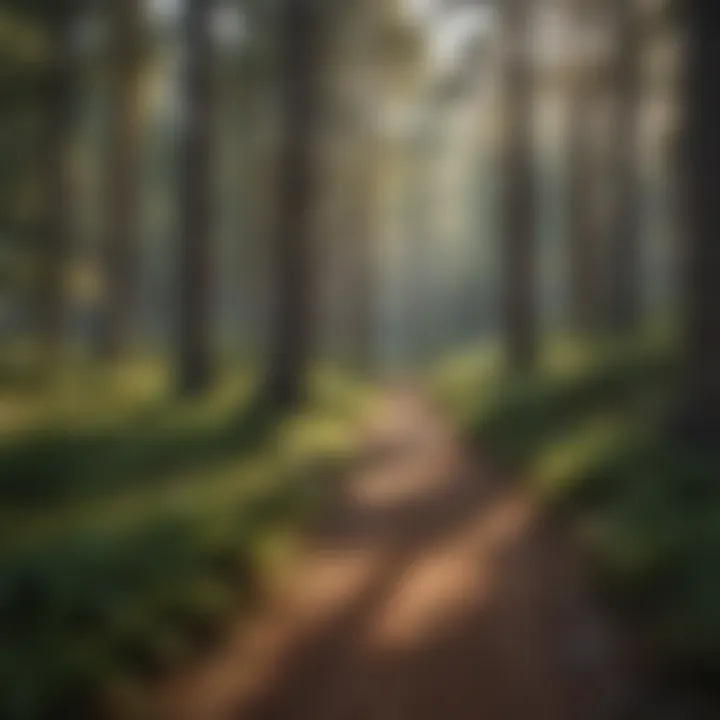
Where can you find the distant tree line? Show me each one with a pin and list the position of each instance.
(604, 258)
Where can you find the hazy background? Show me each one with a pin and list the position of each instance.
(229, 229)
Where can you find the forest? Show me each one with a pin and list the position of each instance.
(359, 359)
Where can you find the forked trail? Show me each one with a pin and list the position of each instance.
(429, 590)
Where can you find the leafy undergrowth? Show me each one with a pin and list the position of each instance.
(591, 435)
(652, 528)
(515, 417)
(134, 527)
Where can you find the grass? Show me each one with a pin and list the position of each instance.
(134, 526)
(589, 433)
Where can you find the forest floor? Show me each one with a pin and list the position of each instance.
(428, 588)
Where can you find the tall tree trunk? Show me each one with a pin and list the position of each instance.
(196, 278)
(625, 240)
(418, 255)
(292, 250)
(122, 207)
(361, 257)
(518, 217)
(362, 22)
(55, 230)
(702, 145)
(582, 185)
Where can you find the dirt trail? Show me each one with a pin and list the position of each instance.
(429, 591)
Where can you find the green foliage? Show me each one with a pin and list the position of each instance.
(514, 417)
(655, 537)
(137, 526)
(591, 436)
(54, 465)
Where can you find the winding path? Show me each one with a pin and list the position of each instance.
(428, 591)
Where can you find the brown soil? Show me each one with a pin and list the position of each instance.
(429, 590)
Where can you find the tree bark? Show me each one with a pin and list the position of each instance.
(55, 223)
(292, 249)
(122, 179)
(195, 363)
(702, 209)
(625, 238)
(585, 276)
(517, 212)
(361, 258)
